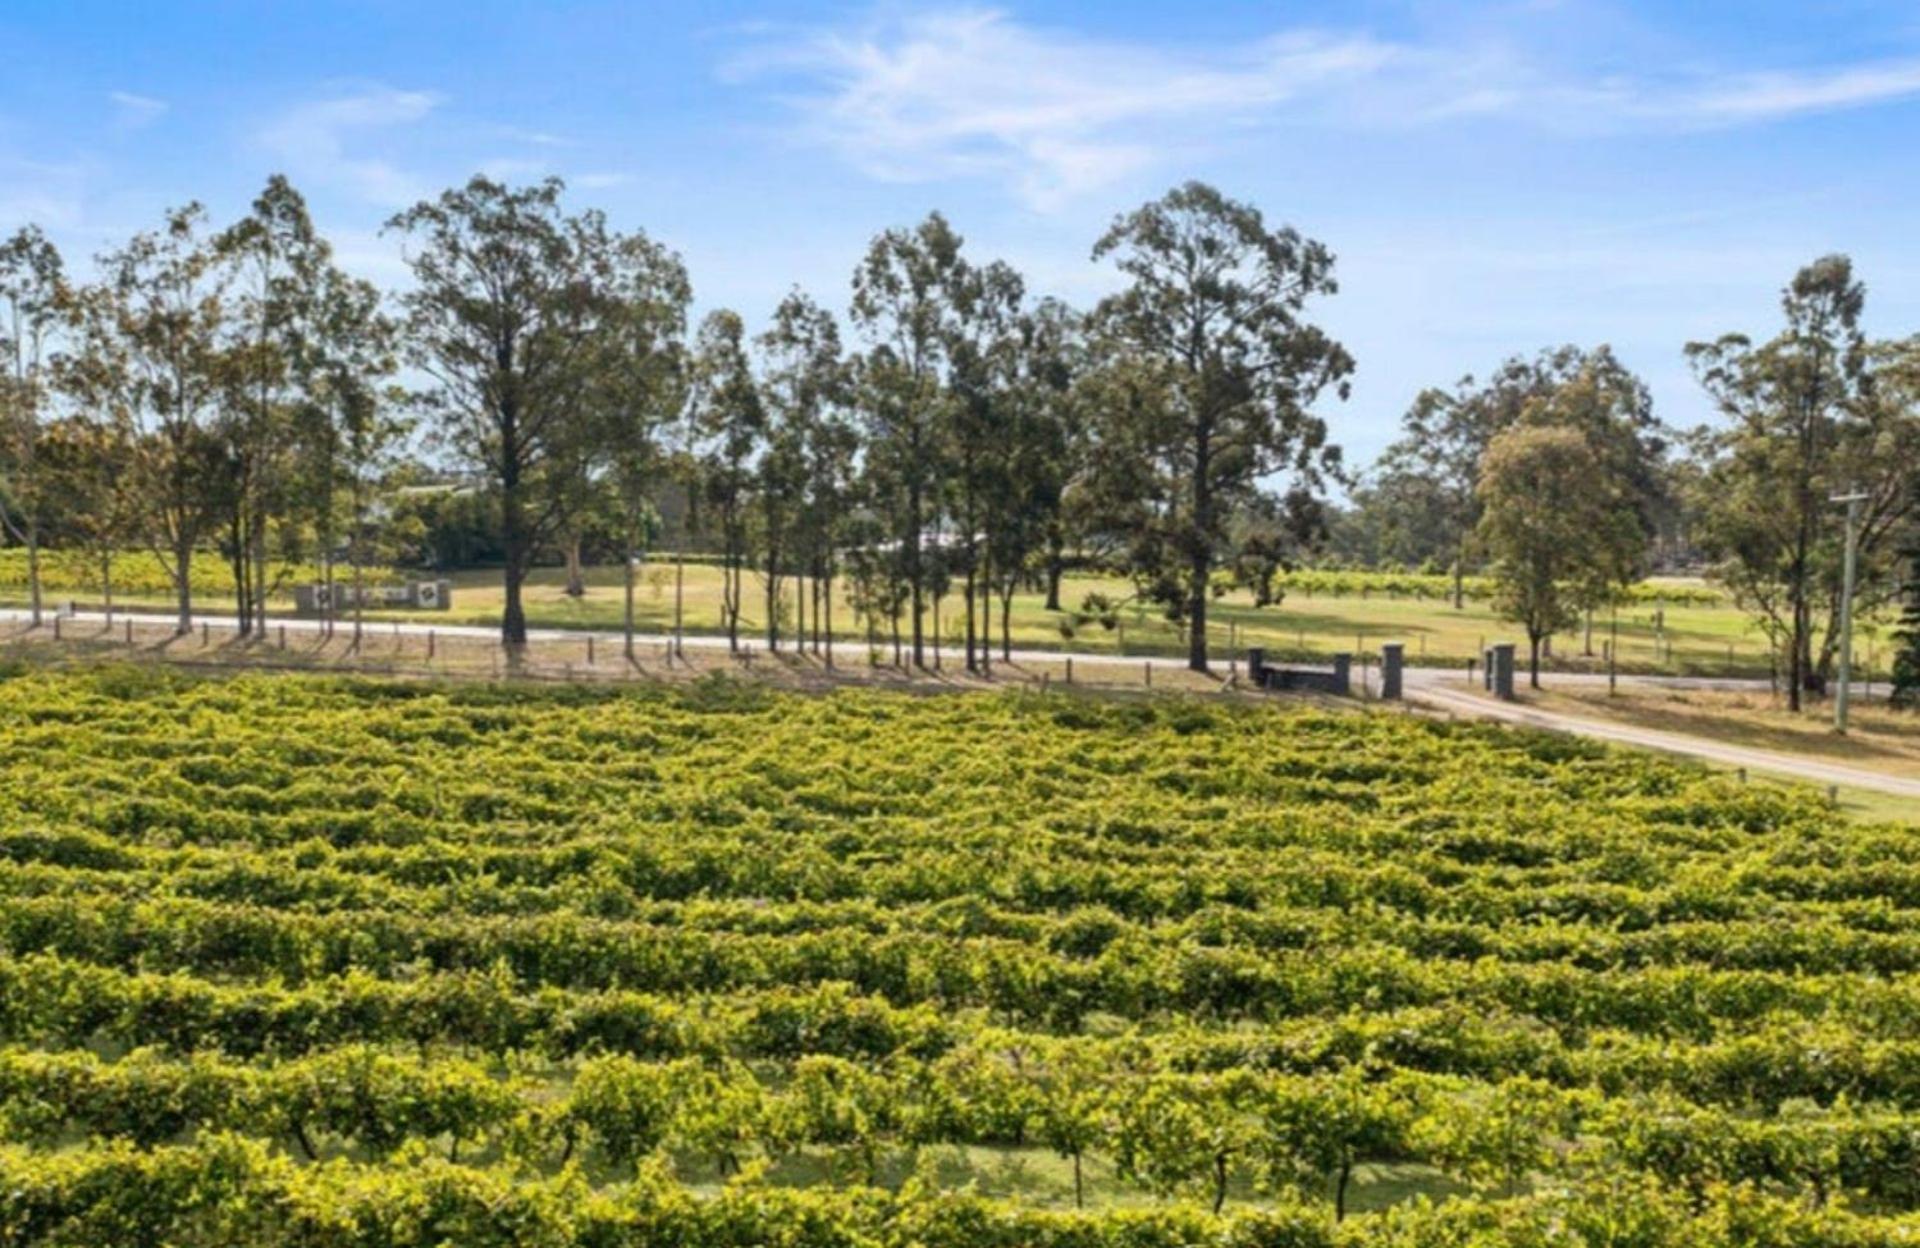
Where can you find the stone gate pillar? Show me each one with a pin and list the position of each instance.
(1392, 659)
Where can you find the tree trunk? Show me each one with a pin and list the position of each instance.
(33, 567)
(1340, 1191)
(914, 576)
(1056, 571)
(773, 604)
(971, 664)
(183, 587)
(1200, 558)
(260, 572)
(576, 573)
(106, 583)
(1533, 659)
(626, 621)
(679, 595)
(1079, 1188)
(826, 598)
(1219, 1182)
(1006, 623)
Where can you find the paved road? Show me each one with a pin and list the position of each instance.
(1816, 771)
(691, 641)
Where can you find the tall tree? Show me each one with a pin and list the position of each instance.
(279, 262)
(1560, 528)
(731, 422)
(901, 301)
(982, 349)
(152, 354)
(1223, 371)
(33, 308)
(804, 478)
(1788, 405)
(508, 300)
(353, 422)
(1033, 457)
(640, 383)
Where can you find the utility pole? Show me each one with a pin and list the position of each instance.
(1853, 502)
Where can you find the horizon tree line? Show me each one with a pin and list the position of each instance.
(230, 392)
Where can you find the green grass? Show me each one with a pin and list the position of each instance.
(1702, 640)
(1697, 639)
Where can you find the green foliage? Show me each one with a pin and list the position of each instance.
(290, 956)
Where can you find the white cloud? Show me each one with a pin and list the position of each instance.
(1763, 97)
(600, 181)
(312, 141)
(1053, 113)
(135, 112)
(975, 93)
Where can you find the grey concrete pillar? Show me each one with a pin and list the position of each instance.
(1343, 674)
(1257, 665)
(1503, 675)
(1487, 664)
(1393, 656)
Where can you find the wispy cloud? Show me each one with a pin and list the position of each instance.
(315, 141)
(1766, 96)
(1052, 113)
(135, 112)
(600, 181)
(975, 93)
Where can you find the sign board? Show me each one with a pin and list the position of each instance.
(321, 599)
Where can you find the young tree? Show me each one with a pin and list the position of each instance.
(509, 299)
(1557, 525)
(151, 354)
(1223, 371)
(1773, 466)
(33, 309)
(84, 466)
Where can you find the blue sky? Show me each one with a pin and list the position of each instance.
(1494, 178)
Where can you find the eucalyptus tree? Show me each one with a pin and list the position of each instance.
(1788, 406)
(151, 352)
(1222, 371)
(504, 318)
(34, 308)
(279, 262)
(640, 380)
(730, 420)
(1035, 457)
(353, 420)
(902, 303)
(982, 349)
(804, 475)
